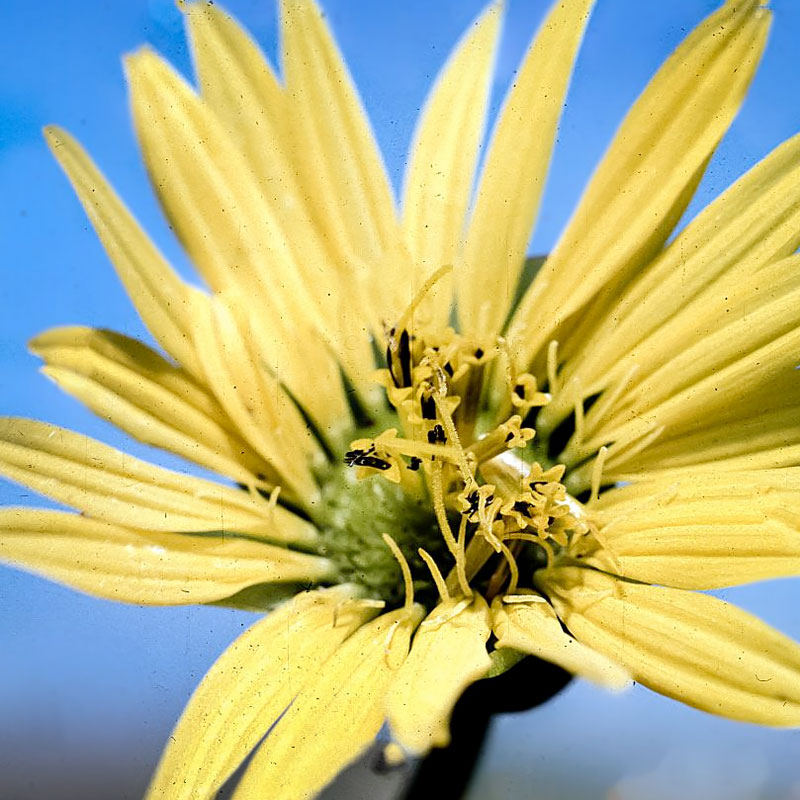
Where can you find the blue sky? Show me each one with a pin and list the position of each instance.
(89, 690)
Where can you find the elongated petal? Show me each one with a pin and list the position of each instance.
(335, 717)
(532, 627)
(144, 567)
(113, 486)
(158, 294)
(649, 173)
(242, 90)
(703, 530)
(231, 230)
(735, 324)
(128, 384)
(335, 152)
(240, 86)
(688, 646)
(253, 398)
(448, 654)
(718, 256)
(438, 181)
(249, 687)
(513, 178)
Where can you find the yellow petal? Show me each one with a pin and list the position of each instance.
(438, 181)
(158, 294)
(731, 327)
(516, 166)
(335, 153)
(240, 87)
(761, 438)
(144, 567)
(267, 418)
(719, 255)
(532, 627)
(335, 717)
(649, 173)
(249, 687)
(131, 386)
(704, 530)
(688, 646)
(231, 230)
(448, 654)
(113, 486)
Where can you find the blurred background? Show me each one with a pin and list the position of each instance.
(90, 690)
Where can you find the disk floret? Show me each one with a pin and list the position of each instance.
(494, 506)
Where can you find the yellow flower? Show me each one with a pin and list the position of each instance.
(543, 478)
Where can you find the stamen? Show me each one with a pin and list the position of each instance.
(405, 569)
(441, 586)
(461, 560)
(513, 568)
(439, 508)
(420, 295)
(447, 421)
(542, 542)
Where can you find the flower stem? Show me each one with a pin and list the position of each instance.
(445, 773)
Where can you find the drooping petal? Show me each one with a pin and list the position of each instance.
(134, 388)
(532, 627)
(688, 646)
(442, 160)
(649, 173)
(516, 166)
(145, 567)
(448, 654)
(703, 529)
(231, 231)
(334, 718)
(335, 153)
(113, 486)
(157, 293)
(249, 687)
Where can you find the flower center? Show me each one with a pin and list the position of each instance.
(451, 478)
(356, 513)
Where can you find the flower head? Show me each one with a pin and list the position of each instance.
(435, 469)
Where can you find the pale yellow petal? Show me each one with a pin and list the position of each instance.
(649, 173)
(156, 291)
(128, 384)
(248, 688)
(513, 178)
(719, 255)
(116, 487)
(703, 529)
(145, 567)
(267, 418)
(442, 160)
(334, 718)
(242, 90)
(231, 230)
(335, 153)
(692, 647)
(447, 655)
(532, 627)
(732, 326)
